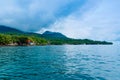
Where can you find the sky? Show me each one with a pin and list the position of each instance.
(92, 19)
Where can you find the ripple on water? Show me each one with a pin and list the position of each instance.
(73, 62)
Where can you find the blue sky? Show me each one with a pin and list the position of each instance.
(93, 19)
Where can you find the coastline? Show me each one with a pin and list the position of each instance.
(51, 45)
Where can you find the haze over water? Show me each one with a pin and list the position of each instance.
(64, 62)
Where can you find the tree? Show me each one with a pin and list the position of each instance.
(5, 39)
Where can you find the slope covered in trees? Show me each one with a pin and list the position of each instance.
(21, 40)
(6, 29)
(33, 40)
(11, 36)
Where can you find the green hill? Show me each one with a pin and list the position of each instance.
(53, 35)
(6, 29)
(10, 35)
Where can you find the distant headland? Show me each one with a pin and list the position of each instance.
(13, 37)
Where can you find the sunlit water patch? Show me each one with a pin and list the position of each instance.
(65, 62)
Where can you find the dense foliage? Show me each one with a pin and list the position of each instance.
(76, 41)
(59, 39)
(10, 39)
(6, 39)
(11, 36)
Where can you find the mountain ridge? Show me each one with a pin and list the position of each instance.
(54, 38)
(46, 34)
(7, 29)
(50, 34)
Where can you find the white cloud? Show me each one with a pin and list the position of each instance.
(35, 14)
(99, 23)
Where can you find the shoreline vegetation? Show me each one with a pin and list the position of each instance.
(31, 40)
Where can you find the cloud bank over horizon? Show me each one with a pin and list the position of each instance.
(93, 19)
(32, 15)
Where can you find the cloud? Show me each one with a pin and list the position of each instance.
(94, 19)
(100, 21)
(32, 15)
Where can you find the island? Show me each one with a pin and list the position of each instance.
(13, 37)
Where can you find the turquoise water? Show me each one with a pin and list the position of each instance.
(65, 62)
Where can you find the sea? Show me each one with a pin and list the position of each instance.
(60, 62)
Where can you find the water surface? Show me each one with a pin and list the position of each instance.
(65, 62)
